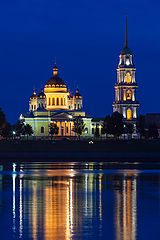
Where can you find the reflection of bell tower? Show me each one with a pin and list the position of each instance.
(126, 86)
(126, 207)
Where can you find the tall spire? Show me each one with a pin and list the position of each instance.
(126, 39)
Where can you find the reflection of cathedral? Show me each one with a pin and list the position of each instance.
(61, 203)
(54, 206)
(126, 207)
(125, 89)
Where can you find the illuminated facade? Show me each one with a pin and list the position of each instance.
(55, 104)
(125, 89)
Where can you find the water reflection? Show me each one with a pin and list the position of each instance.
(62, 202)
(126, 206)
(52, 205)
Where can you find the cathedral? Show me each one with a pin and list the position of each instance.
(55, 104)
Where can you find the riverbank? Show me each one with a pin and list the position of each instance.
(145, 150)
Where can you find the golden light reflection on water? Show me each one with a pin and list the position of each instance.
(54, 204)
(126, 206)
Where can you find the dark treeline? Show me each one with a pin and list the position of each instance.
(8, 131)
(116, 126)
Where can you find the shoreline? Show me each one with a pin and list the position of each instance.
(113, 150)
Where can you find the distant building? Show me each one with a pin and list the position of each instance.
(125, 89)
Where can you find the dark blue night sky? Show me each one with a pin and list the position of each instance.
(86, 37)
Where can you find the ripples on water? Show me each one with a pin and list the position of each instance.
(79, 201)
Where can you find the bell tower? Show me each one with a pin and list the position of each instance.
(125, 89)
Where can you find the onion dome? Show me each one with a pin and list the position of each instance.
(55, 81)
(41, 94)
(77, 94)
(126, 49)
(34, 96)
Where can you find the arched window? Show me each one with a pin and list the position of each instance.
(62, 101)
(128, 78)
(57, 101)
(129, 95)
(129, 114)
(42, 129)
(49, 101)
(53, 101)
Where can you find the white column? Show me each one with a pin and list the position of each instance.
(124, 112)
(133, 94)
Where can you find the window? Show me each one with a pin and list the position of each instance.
(78, 106)
(42, 129)
(62, 101)
(49, 101)
(129, 114)
(93, 130)
(53, 101)
(67, 129)
(57, 101)
(128, 78)
(124, 95)
(69, 107)
(74, 106)
(39, 105)
(86, 130)
(129, 95)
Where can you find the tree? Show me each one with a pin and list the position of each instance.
(129, 128)
(114, 125)
(7, 131)
(28, 130)
(2, 120)
(53, 129)
(19, 128)
(96, 131)
(140, 125)
(78, 126)
(153, 131)
(106, 124)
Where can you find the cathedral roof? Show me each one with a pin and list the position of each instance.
(41, 94)
(55, 80)
(77, 94)
(34, 96)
